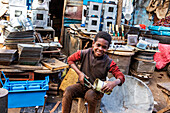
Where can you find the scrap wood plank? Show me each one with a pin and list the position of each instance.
(11, 70)
(54, 64)
(45, 70)
(55, 107)
(21, 67)
(164, 110)
(53, 51)
(27, 67)
(165, 86)
(6, 67)
(139, 59)
(70, 79)
(123, 53)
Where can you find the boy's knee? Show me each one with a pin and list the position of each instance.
(90, 96)
(67, 91)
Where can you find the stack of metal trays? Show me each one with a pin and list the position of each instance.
(29, 54)
(7, 56)
(16, 37)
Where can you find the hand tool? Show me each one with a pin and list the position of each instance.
(88, 84)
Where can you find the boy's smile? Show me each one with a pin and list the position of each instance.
(100, 47)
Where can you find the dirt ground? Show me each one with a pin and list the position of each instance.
(161, 100)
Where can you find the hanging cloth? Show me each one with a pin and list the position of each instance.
(159, 7)
(162, 9)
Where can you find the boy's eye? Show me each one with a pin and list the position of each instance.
(104, 47)
(98, 45)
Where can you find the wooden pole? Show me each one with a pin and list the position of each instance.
(62, 26)
(119, 13)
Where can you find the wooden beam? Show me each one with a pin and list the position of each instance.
(54, 64)
(164, 109)
(55, 107)
(21, 67)
(62, 26)
(119, 13)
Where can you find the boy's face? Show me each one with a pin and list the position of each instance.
(100, 47)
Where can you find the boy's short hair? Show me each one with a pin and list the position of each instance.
(104, 35)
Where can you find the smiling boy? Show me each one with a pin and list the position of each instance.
(94, 64)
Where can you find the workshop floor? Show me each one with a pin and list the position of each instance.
(159, 98)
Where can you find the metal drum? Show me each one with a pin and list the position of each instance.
(3, 100)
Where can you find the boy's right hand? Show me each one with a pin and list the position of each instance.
(81, 78)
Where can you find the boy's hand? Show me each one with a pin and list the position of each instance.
(81, 78)
(110, 85)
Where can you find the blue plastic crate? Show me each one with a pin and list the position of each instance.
(25, 93)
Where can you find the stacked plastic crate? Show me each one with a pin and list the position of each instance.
(93, 16)
(109, 14)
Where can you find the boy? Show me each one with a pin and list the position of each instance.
(94, 64)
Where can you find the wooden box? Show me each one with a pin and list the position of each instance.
(143, 66)
(122, 61)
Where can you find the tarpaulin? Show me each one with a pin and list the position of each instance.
(163, 57)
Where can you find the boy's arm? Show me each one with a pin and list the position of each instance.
(118, 75)
(114, 69)
(71, 61)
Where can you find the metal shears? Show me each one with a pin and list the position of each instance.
(88, 84)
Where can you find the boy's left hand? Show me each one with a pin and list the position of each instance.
(110, 85)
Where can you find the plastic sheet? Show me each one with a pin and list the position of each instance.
(163, 57)
(160, 30)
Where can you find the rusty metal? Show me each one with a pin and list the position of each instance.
(45, 97)
(36, 109)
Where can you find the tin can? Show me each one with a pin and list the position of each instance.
(98, 84)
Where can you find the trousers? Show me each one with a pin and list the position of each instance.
(79, 90)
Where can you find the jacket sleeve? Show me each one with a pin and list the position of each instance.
(114, 69)
(74, 57)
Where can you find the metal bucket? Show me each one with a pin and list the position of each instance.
(3, 100)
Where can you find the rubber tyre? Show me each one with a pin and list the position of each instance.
(162, 39)
(144, 53)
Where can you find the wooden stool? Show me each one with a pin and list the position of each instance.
(78, 106)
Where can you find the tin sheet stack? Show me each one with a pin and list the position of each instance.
(7, 56)
(14, 38)
(29, 54)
